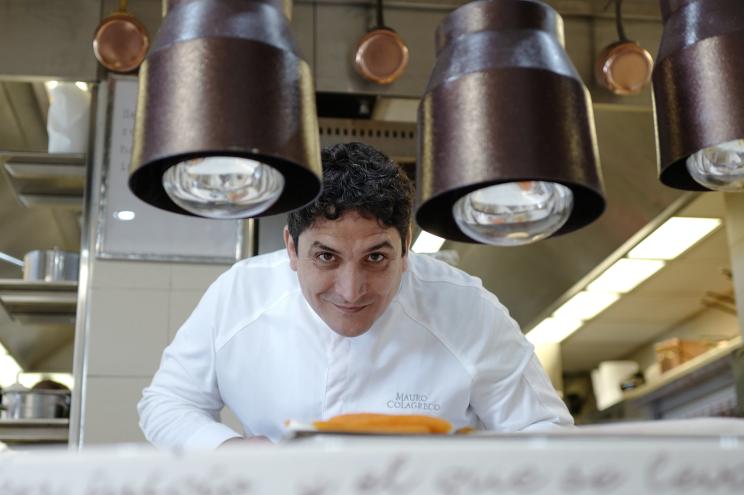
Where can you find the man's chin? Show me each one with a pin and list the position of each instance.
(347, 330)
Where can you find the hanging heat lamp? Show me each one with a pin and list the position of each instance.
(507, 146)
(698, 85)
(623, 67)
(226, 124)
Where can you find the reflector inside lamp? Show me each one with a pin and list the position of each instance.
(514, 213)
(223, 186)
(720, 168)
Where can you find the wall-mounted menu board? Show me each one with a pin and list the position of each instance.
(129, 228)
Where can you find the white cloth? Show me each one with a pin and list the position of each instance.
(445, 347)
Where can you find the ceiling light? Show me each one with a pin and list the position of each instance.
(586, 305)
(50, 85)
(674, 237)
(82, 86)
(427, 243)
(553, 330)
(226, 125)
(699, 95)
(625, 275)
(489, 170)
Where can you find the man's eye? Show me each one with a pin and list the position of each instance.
(325, 257)
(376, 257)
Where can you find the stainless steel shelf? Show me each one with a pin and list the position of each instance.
(34, 430)
(704, 374)
(44, 179)
(693, 370)
(39, 302)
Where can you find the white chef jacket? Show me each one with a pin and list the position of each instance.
(444, 347)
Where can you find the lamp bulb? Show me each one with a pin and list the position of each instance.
(514, 213)
(720, 168)
(223, 186)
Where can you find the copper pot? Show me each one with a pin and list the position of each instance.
(120, 42)
(381, 54)
(624, 67)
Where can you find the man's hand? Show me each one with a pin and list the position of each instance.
(245, 441)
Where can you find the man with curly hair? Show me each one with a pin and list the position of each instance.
(346, 320)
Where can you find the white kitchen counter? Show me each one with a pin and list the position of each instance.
(708, 460)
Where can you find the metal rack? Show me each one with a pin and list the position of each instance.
(39, 302)
(44, 179)
(702, 387)
(34, 430)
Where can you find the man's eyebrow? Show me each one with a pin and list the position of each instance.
(383, 244)
(323, 247)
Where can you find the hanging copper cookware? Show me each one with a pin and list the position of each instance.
(381, 54)
(120, 42)
(624, 67)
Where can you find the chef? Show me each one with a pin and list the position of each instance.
(346, 320)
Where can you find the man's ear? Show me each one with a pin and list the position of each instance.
(409, 236)
(291, 248)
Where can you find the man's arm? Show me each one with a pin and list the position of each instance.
(180, 409)
(511, 391)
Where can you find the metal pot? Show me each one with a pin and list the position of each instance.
(381, 55)
(51, 265)
(35, 404)
(48, 265)
(120, 42)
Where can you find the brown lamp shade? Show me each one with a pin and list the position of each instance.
(504, 104)
(698, 83)
(224, 78)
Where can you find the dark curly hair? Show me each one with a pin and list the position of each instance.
(357, 177)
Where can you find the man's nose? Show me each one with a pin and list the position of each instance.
(351, 283)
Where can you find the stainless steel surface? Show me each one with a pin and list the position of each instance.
(34, 430)
(87, 241)
(38, 302)
(36, 319)
(35, 404)
(51, 265)
(43, 178)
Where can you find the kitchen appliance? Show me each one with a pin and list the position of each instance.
(623, 67)
(47, 265)
(120, 42)
(35, 404)
(381, 54)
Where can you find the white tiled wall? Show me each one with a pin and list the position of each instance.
(111, 414)
(135, 309)
(128, 330)
(130, 274)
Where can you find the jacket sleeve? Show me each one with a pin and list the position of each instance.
(181, 408)
(510, 390)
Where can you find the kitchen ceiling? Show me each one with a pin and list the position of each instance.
(668, 299)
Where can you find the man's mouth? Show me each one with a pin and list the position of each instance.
(350, 309)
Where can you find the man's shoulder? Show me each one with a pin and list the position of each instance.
(456, 309)
(259, 278)
(437, 292)
(435, 274)
(275, 260)
(248, 289)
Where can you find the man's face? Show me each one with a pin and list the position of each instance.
(349, 270)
